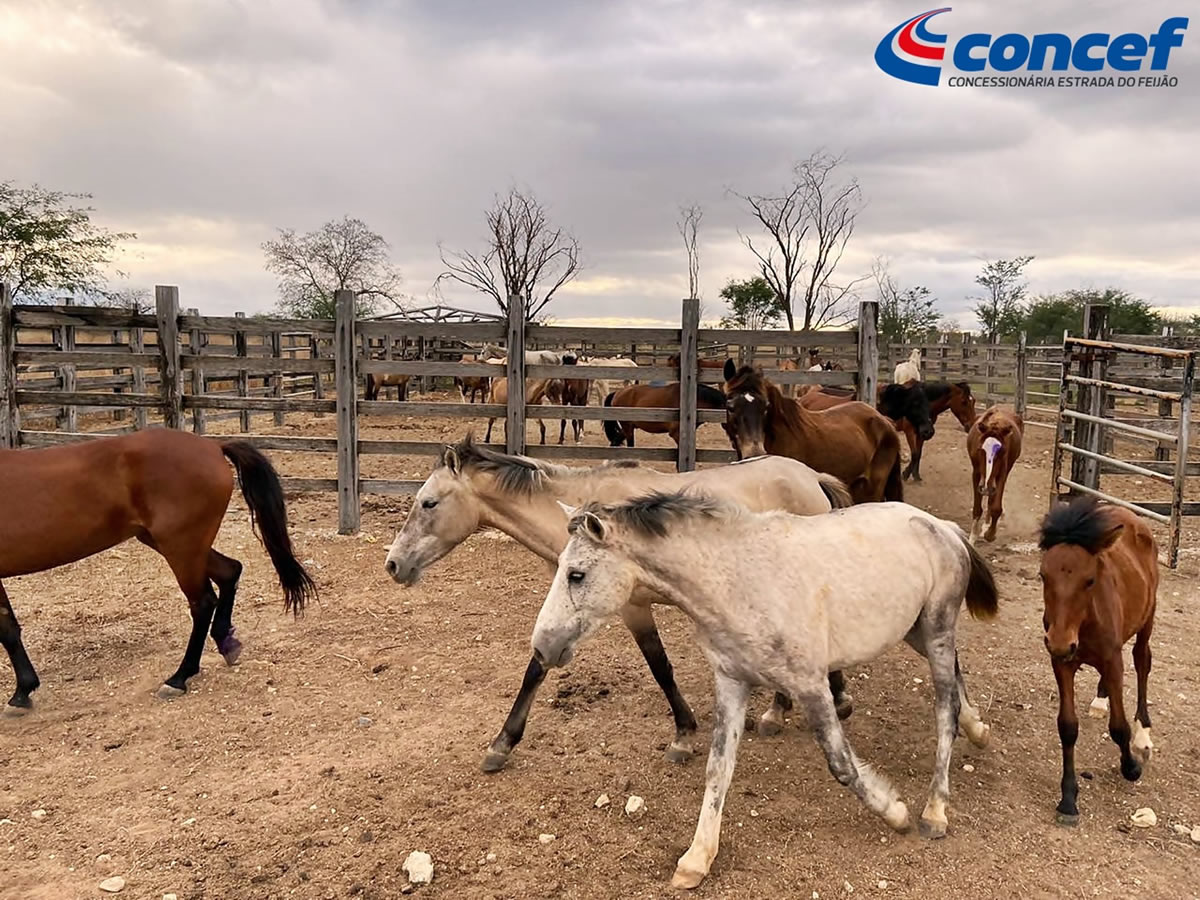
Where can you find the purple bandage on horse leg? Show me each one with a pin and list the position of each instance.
(230, 647)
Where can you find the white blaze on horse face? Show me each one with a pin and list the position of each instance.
(991, 446)
(749, 397)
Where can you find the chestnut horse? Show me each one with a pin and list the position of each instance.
(852, 441)
(994, 445)
(943, 395)
(375, 382)
(651, 396)
(168, 489)
(1099, 579)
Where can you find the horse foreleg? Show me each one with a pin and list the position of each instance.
(562, 431)
(225, 572)
(640, 621)
(912, 470)
(772, 720)
(1113, 674)
(487, 438)
(514, 726)
(977, 498)
(1141, 663)
(23, 671)
(995, 506)
(728, 721)
(1068, 733)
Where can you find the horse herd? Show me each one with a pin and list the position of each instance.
(794, 563)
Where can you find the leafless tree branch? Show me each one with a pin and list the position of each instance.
(689, 226)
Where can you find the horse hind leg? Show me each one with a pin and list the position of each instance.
(190, 567)
(224, 572)
(772, 720)
(26, 677)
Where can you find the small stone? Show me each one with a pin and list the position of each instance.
(363, 722)
(170, 897)
(847, 887)
(103, 858)
(1181, 829)
(546, 838)
(7, 822)
(882, 884)
(491, 857)
(602, 801)
(188, 823)
(38, 814)
(113, 885)
(967, 767)
(367, 837)
(1196, 835)
(419, 866)
(635, 806)
(1144, 818)
(754, 813)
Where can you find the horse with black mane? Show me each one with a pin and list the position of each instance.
(651, 396)
(942, 395)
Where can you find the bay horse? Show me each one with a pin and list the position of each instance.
(701, 364)
(473, 385)
(574, 393)
(851, 441)
(1099, 576)
(757, 587)
(169, 489)
(943, 395)
(652, 396)
(473, 486)
(819, 396)
(994, 446)
(375, 382)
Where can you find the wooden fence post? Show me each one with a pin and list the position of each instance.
(10, 423)
(166, 301)
(689, 366)
(196, 345)
(1090, 400)
(1022, 375)
(277, 375)
(868, 351)
(137, 344)
(243, 379)
(68, 416)
(1181, 457)
(345, 354)
(514, 422)
(314, 351)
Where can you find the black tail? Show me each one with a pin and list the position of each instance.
(983, 601)
(264, 496)
(612, 430)
(894, 488)
(836, 490)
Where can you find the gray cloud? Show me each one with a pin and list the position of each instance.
(205, 125)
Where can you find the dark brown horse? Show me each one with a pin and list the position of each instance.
(851, 441)
(652, 396)
(168, 489)
(994, 445)
(574, 393)
(701, 364)
(375, 382)
(943, 395)
(1099, 580)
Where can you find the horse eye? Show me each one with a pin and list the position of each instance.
(1090, 582)
(429, 504)
(575, 576)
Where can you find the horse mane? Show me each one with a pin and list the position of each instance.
(518, 475)
(936, 390)
(651, 514)
(1084, 522)
(706, 393)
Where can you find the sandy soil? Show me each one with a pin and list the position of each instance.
(353, 736)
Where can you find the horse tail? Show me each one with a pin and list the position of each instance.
(612, 430)
(983, 601)
(835, 489)
(894, 488)
(264, 496)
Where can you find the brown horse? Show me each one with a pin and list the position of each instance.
(701, 364)
(994, 445)
(654, 396)
(536, 390)
(574, 393)
(1099, 580)
(375, 382)
(851, 441)
(816, 396)
(472, 385)
(168, 489)
(943, 395)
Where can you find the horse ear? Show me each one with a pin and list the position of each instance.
(1110, 536)
(569, 510)
(595, 527)
(450, 460)
(730, 369)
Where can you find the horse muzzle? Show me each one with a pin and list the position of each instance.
(402, 571)
(552, 654)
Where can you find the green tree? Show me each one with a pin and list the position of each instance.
(340, 255)
(753, 304)
(49, 244)
(1047, 317)
(904, 313)
(1000, 310)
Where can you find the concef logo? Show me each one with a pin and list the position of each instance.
(911, 52)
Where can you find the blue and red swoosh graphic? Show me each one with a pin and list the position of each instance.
(911, 53)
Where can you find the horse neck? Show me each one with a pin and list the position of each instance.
(533, 520)
(793, 418)
(689, 571)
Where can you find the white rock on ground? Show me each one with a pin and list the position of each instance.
(1144, 818)
(635, 806)
(38, 814)
(113, 885)
(419, 866)
(1182, 829)
(602, 801)
(1196, 835)
(545, 838)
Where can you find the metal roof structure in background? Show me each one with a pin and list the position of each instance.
(439, 313)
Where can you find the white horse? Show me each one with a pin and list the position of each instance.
(602, 387)
(909, 370)
(473, 486)
(779, 600)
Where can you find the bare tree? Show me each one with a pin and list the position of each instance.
(525, 255)
(904, 313)
(689, 225)
(340, 255)
(807, 228)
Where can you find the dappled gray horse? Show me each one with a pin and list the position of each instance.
(473, 486)
(779, 600)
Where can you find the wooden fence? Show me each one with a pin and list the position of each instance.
(181, 369)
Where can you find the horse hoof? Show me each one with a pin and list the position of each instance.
(233, 653)
(494, 761)
(687, 879)
(932, 829)
(679, 753)
(769, 727)
(1066, 820)
(15, 712)
(1130, 770)
(1098, 709)
(897, 818)
(979, 734)
(845, 706)
(170, 692)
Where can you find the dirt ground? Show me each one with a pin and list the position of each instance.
(352, 736)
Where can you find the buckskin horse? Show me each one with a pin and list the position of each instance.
(852, 441)
(170, 490)
(1099, 580)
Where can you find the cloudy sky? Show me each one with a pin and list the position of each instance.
(203, 125)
